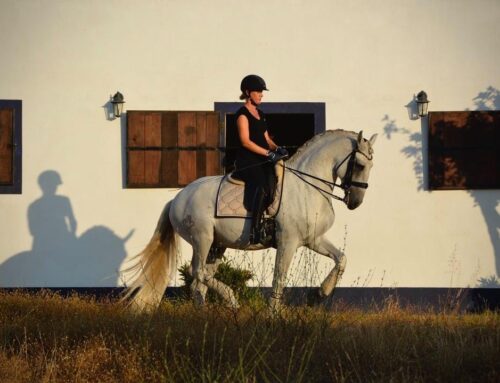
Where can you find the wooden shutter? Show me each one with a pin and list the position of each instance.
(464, 150)
(11, 146)
(6, 146)
(171, 149)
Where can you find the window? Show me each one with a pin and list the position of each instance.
(10, 146)
(290, 124)
(464, 150)
(170, 148)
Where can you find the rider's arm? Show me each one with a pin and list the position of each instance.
(244, 134)
(270, 142)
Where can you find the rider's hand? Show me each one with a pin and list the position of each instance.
(272, 156)
(283, 153)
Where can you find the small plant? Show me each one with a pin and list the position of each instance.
(489, 282)
(234, 277)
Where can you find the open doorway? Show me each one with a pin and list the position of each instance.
(290, 125)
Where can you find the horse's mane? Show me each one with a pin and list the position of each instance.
(316, 138)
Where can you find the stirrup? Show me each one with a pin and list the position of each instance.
(264, 235)
(259, 235)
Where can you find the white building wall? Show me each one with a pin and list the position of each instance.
(365, 60)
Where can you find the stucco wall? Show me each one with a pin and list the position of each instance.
(364, 59)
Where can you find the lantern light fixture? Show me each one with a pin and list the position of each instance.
(422, 103)
(117, 100)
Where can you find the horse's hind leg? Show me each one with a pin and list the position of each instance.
(213, 261)
(325, 247)
(199, 290)
(201, 249)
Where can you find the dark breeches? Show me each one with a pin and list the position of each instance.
(261, 177)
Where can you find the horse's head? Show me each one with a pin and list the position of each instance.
(354, 170)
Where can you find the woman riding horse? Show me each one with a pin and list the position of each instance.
(256, 156)
(304, 218)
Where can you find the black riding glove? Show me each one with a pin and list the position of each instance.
(273, 157)
(283, 153)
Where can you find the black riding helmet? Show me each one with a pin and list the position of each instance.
(251, 83)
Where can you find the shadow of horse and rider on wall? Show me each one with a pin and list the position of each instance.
(59, 257)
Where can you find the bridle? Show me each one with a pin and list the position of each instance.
(347, 182)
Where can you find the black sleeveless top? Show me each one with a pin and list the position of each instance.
(254, 169)
(256, 128)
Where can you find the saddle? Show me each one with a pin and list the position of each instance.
(230, 196)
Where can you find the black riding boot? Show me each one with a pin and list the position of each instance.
(257, 212)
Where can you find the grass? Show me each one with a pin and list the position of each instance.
(48, 338)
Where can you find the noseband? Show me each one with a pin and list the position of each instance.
(347, 182)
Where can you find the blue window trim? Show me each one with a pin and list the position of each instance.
(16, 186)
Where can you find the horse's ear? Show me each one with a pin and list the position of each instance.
(373, 139)
(127, 237)
(360, 136)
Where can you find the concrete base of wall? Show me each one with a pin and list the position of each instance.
(421, 299)
(363, 298)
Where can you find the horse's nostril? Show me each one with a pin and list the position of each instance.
(353, 204)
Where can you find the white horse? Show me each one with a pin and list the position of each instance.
(306, 213)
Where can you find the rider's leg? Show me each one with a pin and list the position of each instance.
(257, 212)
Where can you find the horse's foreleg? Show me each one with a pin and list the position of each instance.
(325, 247)
(284, 256)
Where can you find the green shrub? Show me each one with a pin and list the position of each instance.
(234, 277)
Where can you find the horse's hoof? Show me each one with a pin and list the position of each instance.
(198, 298)
(275, 311)
(275, 306)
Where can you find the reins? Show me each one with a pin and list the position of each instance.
(332, 185)
(346, 183)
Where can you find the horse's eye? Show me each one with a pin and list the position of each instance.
(359, 166)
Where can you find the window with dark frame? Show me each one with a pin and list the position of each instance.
(290, 125)
(10, 147)
(464, 150)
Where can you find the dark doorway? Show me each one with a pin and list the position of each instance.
(290, 125)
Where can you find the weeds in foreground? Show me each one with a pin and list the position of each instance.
(47, 338)
(233, 276)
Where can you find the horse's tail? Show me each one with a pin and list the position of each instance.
(152, 268)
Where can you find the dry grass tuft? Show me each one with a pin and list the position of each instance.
(47, 338)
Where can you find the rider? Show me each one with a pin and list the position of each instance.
(257, 155)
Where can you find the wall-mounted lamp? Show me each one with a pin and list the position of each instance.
(117, 101)
(422, 103)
